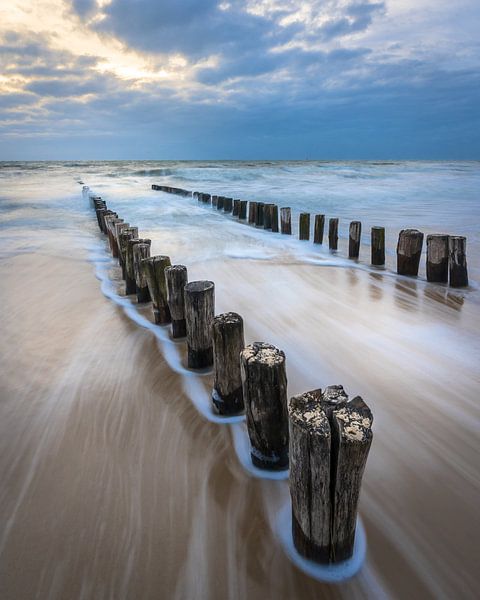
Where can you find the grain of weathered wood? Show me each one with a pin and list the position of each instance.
(199, 313)
(242, 213)
(274, 218)
(119, 227)
(130, 283)
(264, 382)
(176, 279)
(228, 343)
(378, 246)
(458, 261)
(286, 220)
(304, 226)
(437, 257)
(409, 250)
(267, 216)
(354, 236)
(129, 233)
(333, 234)
(154, 269)
(351, 439)
(140, 252)
(236, 207)
(259, 214)
(252, 212)
(319, 227)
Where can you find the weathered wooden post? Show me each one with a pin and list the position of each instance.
(330, 438)
(274, 218)
(458, 261)
(286, 220)
(112, 240)
(227, 205)
(199, 313)
(119, 227)
(228, 343)
(129, 233)
(319, 226)
(140, 252)
(355, 234)
(176, 279)
(242, 213)
(304, 226)
(236, 208)
(437, 257)
(252, 211)
(267, 216)
(130, 283)
(214, 201)
(259, 214)
(333, 234)
(220, 202)
(154, 268)
(351, 441)
(409, 250)
(264, 382)
(378, 246)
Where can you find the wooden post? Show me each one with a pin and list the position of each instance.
(351, 440)
(140, 252)
(409, 249)
(355, 234)
(330, 438)
(286, 220)
(236, 208)
(259, 214)
(176, 279)
(458, 261)
(310, 443)
(130, 283)
(333, 234)
(437, 258)
(304, 226)
(214, 201)
(154, 268)
(274, 218)
(378, 246)
(252, 211)
(267, 216)
(129, 233)
(242, 213)
(228, 343)
(227, 204)
(319, 226)
(119, 227)
(264, 382)
(199, 312)
(112, 240)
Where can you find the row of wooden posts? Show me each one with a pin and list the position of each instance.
(321, 435)
(446, 254)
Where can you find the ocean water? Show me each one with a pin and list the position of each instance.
(119, 479)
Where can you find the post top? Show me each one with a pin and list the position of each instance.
(306, 410)
(227, 318)
(199, 286)
(354, 421)
(263, 353)
(176, 268)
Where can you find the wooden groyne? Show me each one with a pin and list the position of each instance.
(322, 436)
(446, 260)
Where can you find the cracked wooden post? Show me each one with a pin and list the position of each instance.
(236, 208)
(130, 283)
(318, 229)
(199, 313)
(351, 440)
(154, 269)
(286, 220)
(252, 211)
(437, 257)
(409, 250)
(259, 214)
(458, 261)
(129, 233)
(242, 213)
(119, 227)
(264, 382)
(228, 343)
(176, 279)
(378, 246)
(140, 252)
(354, 236)
(111, 221)
(304, 226)
(333, 234)
(330, 438)
(274, 218)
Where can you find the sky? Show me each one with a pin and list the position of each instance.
(239, 79)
